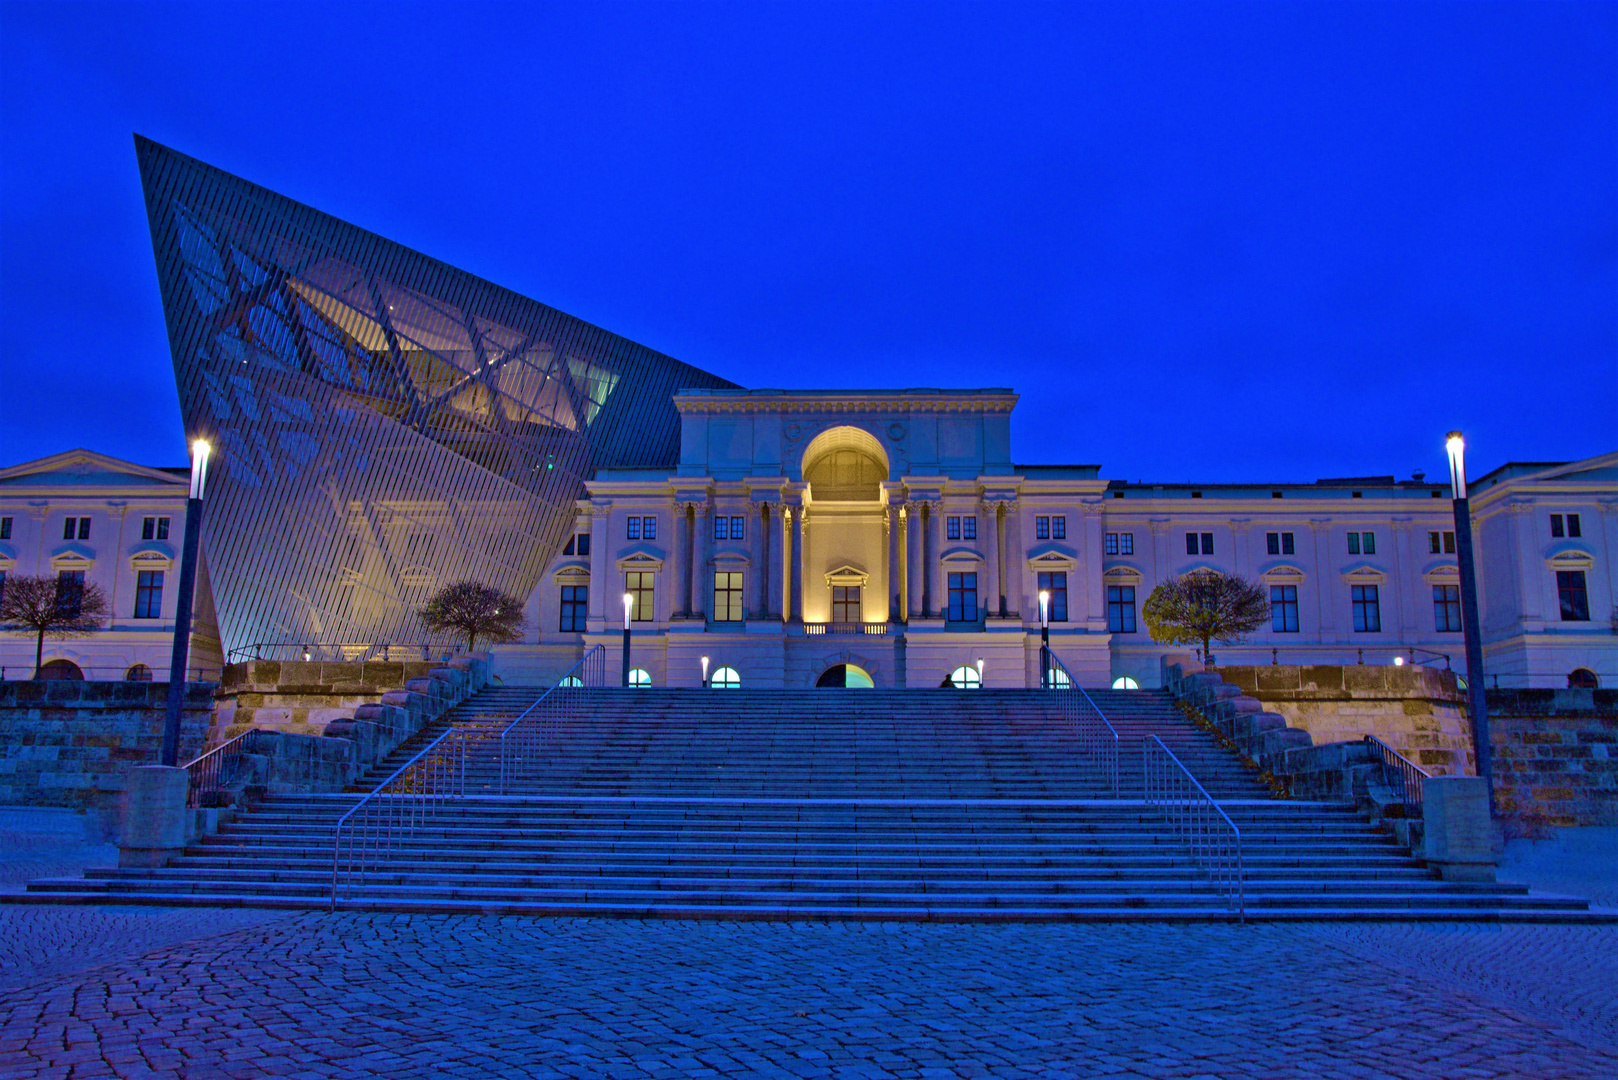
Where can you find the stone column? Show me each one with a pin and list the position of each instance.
(993, 596)
(798, 562)
(913, 590)
(700, 531)
(929, 556)
(681, 599)
(1014, 561)
(895, 571)
(1000, 553)
(600, 586)
(761, 561)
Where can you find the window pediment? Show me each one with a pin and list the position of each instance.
(1364, 574)
(151, 558)
(641, 560)
(1283, 572)
(848, 574)
(962, 555)
(1571, 558)
(572, 574)
(1052, 558)
(71, 559)
(1442, 574)
(1127, 574)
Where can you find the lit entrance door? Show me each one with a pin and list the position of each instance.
(845, 604)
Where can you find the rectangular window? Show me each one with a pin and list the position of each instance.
(1353, 543)
(1556, 525)
(584, 543)
(1432, 543)
(648, 528)
(568, 549)
(727, 596)
(1449, 543)
(721, 527)
(1110, 544)
(638, 584)
(969, 528)
(1207, 543)
(1570, 591)
(952, 528)
(632, 529)
(1059, 527)
(963, 598)
(1272, 543)
(1573, 528)
(1126, 543)
(1055, 583)
(5, 528)
(1367, 609)
(154, 528)
(575, 608)
(1042, 528)
(70, 590)
(1288, 547)
(737, 531)
(76, 528)
(1121, 609)
(846, 604)
(149, 594)
(1368, 543)
(1447, 608)
(1441, 542)
(1190, 543)
(1284, 609)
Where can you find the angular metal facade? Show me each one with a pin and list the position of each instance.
(383, 423)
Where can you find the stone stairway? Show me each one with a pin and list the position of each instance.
(932, 804)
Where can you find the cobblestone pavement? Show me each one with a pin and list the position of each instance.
(87, 991)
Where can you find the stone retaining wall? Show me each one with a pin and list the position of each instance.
(70, 743)
(301, 698)
(1419, 712)
(1556, 754)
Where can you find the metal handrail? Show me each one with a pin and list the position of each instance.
(399, 811)
(589, 673)
(202, 775)
(1095, 731)
(1196, 818)
(1409, 775)
(349, 651)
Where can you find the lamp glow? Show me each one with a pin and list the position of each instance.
(1455, 446)
(1044, 607)
(980, 671)
(199, 466)
(1398, 661)
(705, 671)
(629, 602)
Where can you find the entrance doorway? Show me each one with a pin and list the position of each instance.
(849, 675)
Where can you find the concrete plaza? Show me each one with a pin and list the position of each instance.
(140, 991)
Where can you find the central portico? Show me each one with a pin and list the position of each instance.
(803, 530)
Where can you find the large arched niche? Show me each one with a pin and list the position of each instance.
(845, 464)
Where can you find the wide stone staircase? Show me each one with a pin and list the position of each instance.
(927, 804)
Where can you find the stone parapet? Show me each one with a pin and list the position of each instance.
(1556, 754)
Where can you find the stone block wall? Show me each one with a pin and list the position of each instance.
(1556, 754)
(69, 743)
(1420, 712)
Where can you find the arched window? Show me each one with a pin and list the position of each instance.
(1056, 679)
(1582, 678)
(639, 678)
(965, 677)
(61, 669)
(726, 678)
(1124, 682)
(850, 675)
(138, 673)
(571, 680)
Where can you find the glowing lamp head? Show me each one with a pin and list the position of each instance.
(980, 669)
(704, 669)
(629, 603)
(199, 466)
(1398, 661)
(1044, 606)
(1455, 446)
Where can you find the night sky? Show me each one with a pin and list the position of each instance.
(1204, 242)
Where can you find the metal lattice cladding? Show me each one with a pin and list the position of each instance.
(383, 423)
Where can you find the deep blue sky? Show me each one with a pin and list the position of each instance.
(1204, 242)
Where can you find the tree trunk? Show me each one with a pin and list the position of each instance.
(471, 641)
(39, 652)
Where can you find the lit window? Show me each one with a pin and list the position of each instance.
(1055, 583)
(846, 604)
(571, 680)
(1126, 543)
(632, 529)
(969, 528)
(726, 678)
(639, 678)
(575, 607)
(1284, 609)
(963, 597)
(1056, 679)
(149, 594)
(965, 677)
(648, 528)
(1121, 609)
(727, 596)
(1042, 528)
(1575, 602)
(952, 528)
(1110, 544)
(1367, 608)
(1059, 527)
(737, 528)
(1124, 682)
(638, 584)
(1447, 608)
(721, 527)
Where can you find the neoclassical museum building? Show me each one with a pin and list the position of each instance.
(384, 425)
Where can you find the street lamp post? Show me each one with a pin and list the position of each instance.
(1470, 627)
(629, 601)
(705, 673)
(1044, 639)
(980, 673)
(180, 654)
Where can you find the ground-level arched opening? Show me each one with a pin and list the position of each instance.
(850, 675)
(1124, 682)
(61, 669)
(965, 677)
(1582, 678)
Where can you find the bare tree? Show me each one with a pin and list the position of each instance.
(476, 610)
(1205, 606)
(51, 607)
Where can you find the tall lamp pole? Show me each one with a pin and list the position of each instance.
(182, 611)
(629, 602)
(1470, 627)
(1044, 639)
